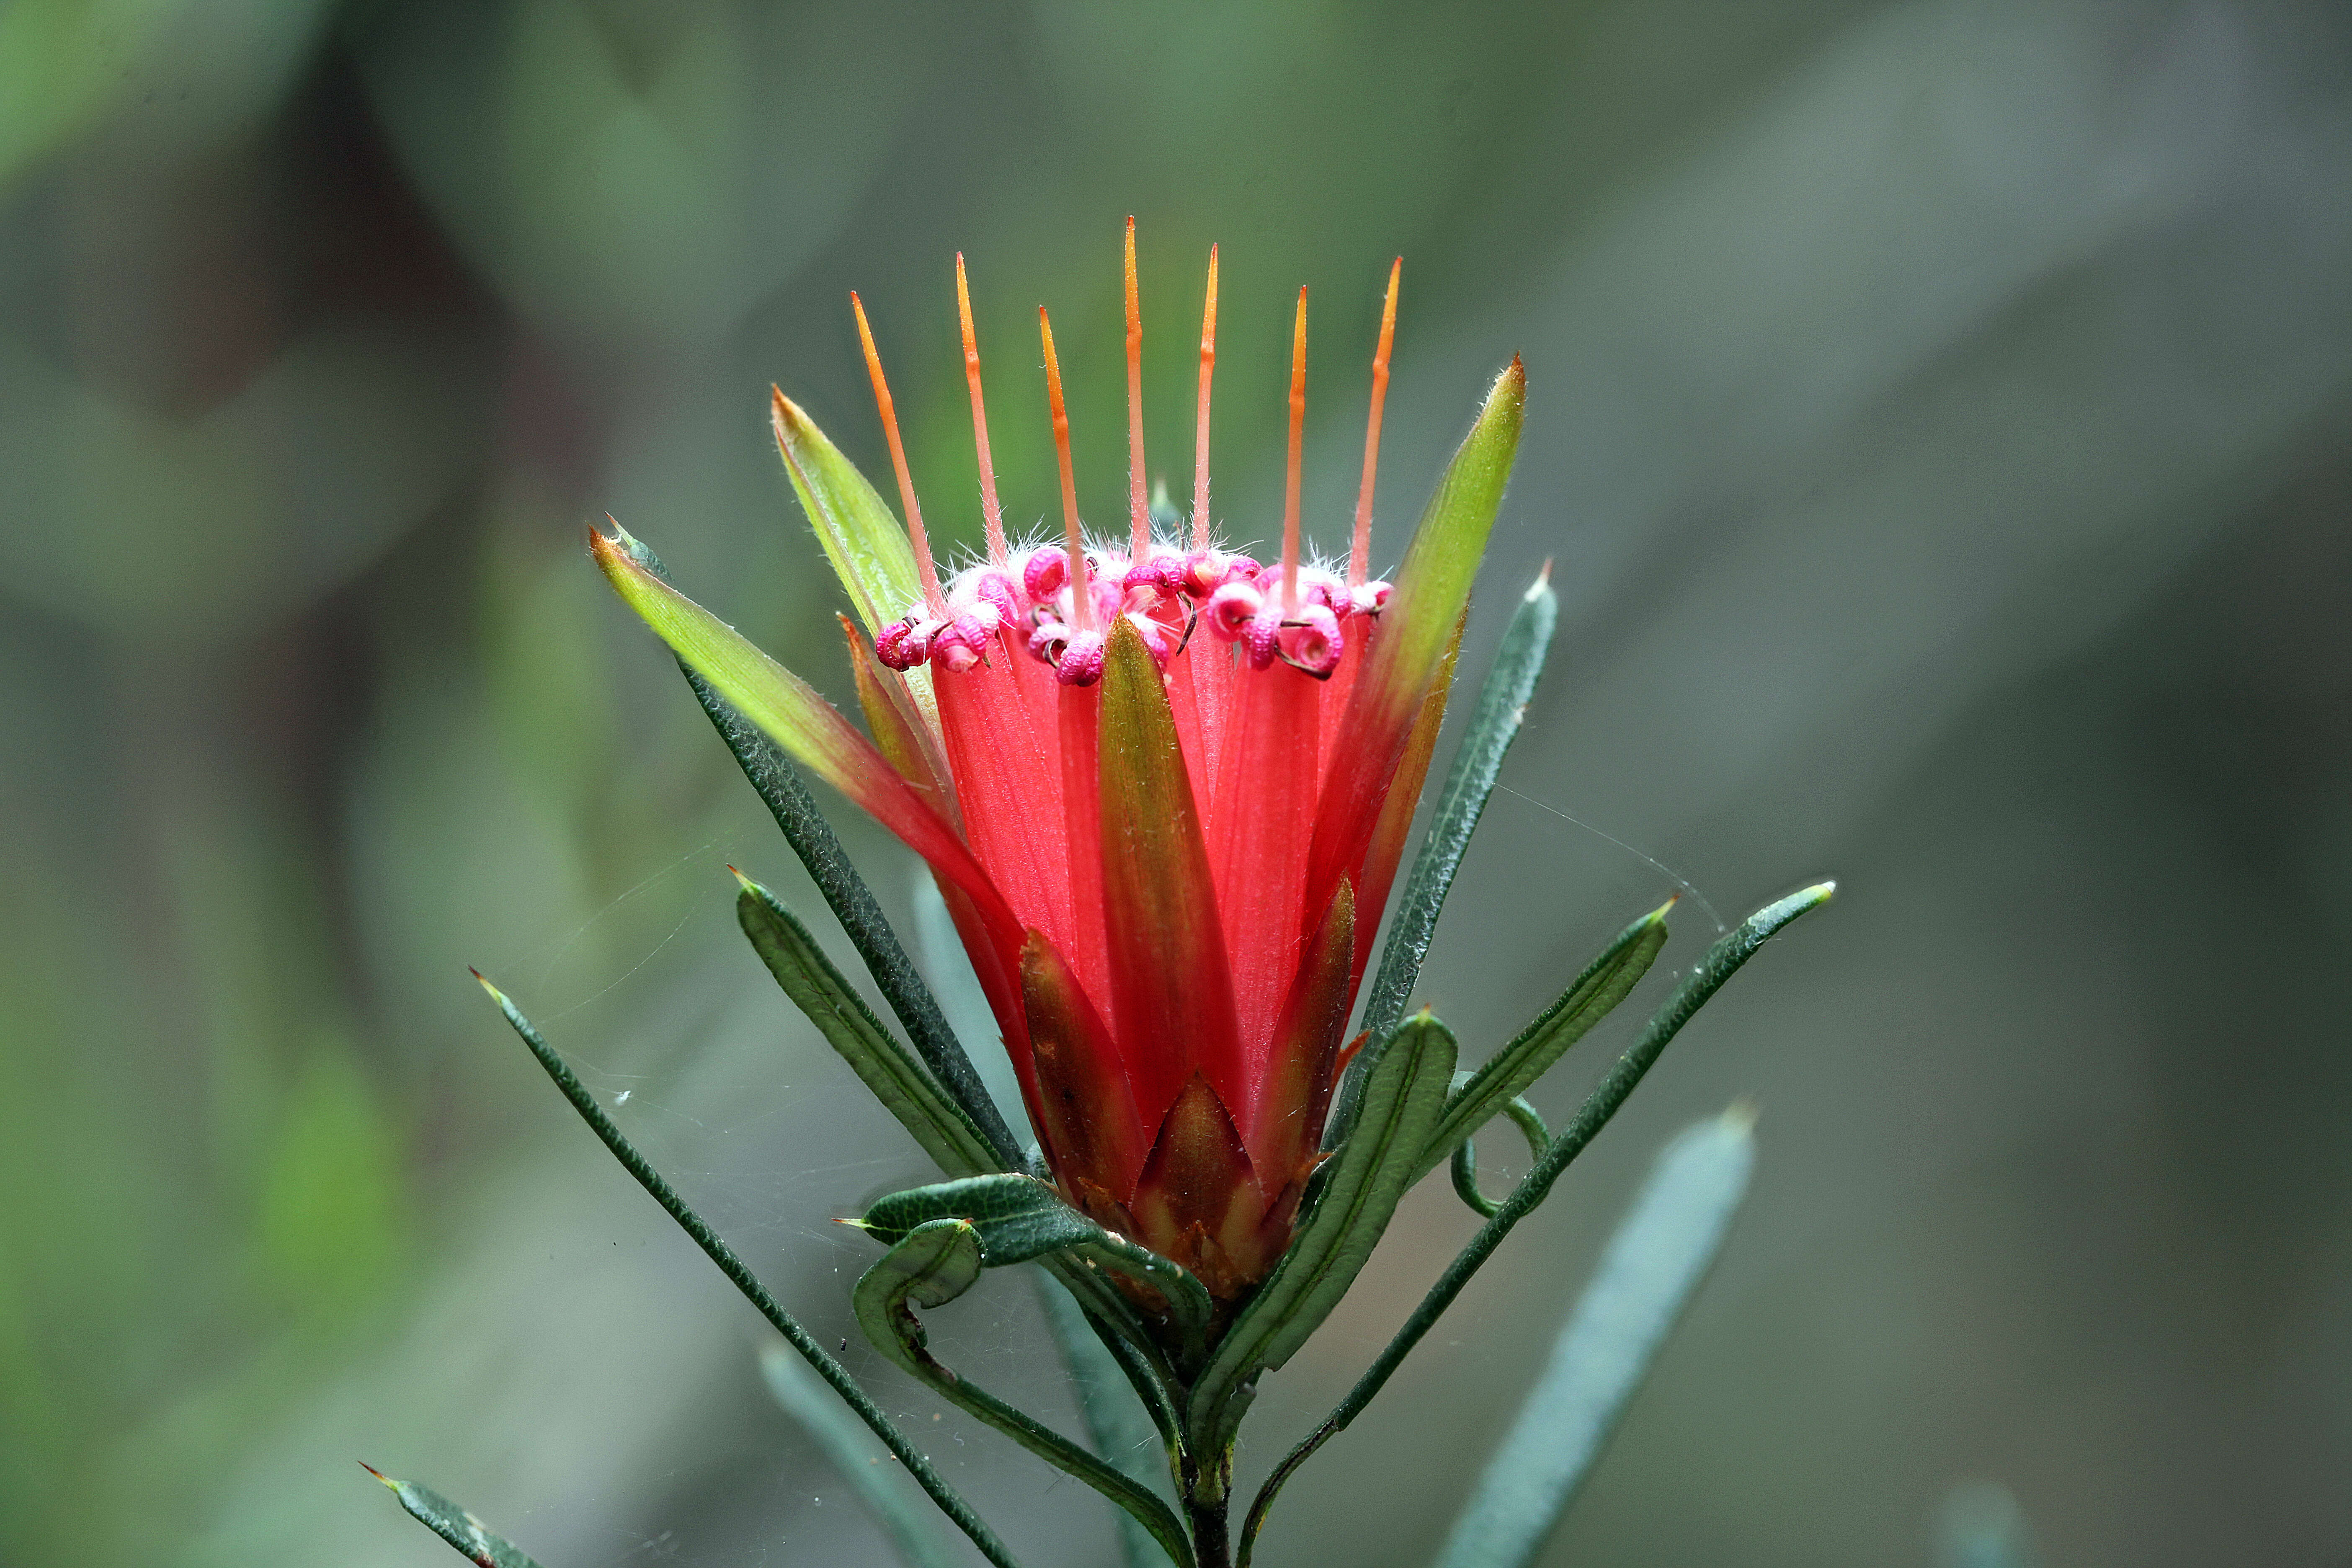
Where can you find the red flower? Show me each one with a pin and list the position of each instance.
(1164, 789)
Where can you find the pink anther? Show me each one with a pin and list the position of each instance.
(904, 644)
(1231, 608)
(1310, 640)
(1081, 663)
(1369, 598)
(1044, 571)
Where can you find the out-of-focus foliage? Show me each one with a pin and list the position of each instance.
(1939, 412)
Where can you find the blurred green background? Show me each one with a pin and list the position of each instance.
(1941, 418)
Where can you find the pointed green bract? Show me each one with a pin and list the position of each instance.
(913, 1529)
(454, 1524)
(1405, 1095)
(1408, 654)
(778, 784)
(1646, 1276)
(937, 1262)
(862, 536)
(886, 1068)
(797, 717)
(1433, 584)
(1513, 1069)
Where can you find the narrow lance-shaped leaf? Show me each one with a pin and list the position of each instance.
(1469, 782)
(1510, 1071)
(911, 1526)
(1720, 962)
(1118, 1430)
(936, 1263)
(740, 1275)
(895, 1079)
(1404, 1094)
(454, 1524)
(778, 784)
(1645, 1277)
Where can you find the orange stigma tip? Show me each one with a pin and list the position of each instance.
(1297, 434)
(925, 572)
(1139, 517)
(1081, 603)
(1201, 436)
(1359, 550)
(991, 511)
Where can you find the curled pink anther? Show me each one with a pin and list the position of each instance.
(1310, 640)
(963, 641)
(1231, 608)
(903, 645)
(1369, 598)
(1044, 571)
(1262, 638)
(1081, 663)
(1049, 639)
(991, 586)
(1206, 571)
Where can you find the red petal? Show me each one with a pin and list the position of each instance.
(1265, 811)
(1010, 784)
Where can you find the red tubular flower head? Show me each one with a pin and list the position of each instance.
(1166, 851)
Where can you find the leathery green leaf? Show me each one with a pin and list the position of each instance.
(1405, 1095)
(1016, 1218)
(1646, 1276)
(1493, 725)
(937, 1262)
(739, 1274)
(1720, 962)
(879, 1484)
(862, 536)
(886, 1068)
(1530, 1055)
(454, 1524)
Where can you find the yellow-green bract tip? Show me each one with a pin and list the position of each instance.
(1658, 915)
(742, 881)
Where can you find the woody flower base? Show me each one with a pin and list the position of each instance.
(1164, 789)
